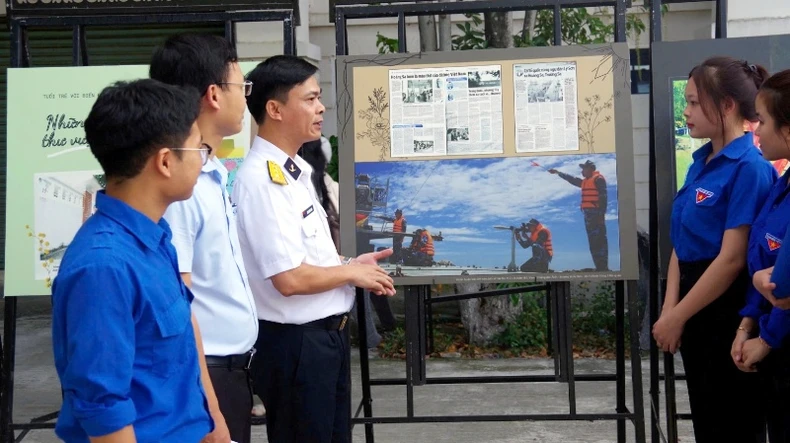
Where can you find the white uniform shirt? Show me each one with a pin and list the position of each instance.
(282, 226)
(207, 243)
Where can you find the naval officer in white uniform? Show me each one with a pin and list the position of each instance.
(302, 288)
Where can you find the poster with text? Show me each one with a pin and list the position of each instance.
(52, 176)
(446, 111)
(546, 108)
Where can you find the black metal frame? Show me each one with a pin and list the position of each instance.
(418, 300)
(20, 57)
(62, 9)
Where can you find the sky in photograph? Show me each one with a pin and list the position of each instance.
(465, 199)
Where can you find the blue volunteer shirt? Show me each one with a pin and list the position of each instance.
(123, 342)
(765, 240)
(775, 324)
(723, 194)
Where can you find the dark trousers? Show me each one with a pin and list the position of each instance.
(234, 395)
(595, 224)
(775, 370)
(539, 261)
(725, 402)
(303, 376)
(397, 247)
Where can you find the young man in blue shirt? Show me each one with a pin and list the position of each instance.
(126, 348)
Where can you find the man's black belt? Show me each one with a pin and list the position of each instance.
(231, 362)
(333, 323)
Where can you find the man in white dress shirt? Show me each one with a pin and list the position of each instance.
(204, 227)
(302, 287)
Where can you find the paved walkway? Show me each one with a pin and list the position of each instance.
(37, 393)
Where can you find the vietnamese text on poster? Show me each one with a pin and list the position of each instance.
(446, 111)
(546, 107)
(52, 176)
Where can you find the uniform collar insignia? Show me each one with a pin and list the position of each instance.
(291, 168)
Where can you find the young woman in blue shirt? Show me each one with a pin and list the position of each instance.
(760, 341)
(707, 278)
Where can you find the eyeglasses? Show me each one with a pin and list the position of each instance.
(205, 151)
(247, 86)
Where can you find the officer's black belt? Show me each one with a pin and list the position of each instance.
(231, 362)
(332, 323)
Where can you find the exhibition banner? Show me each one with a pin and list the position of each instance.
(490, 166)
(52, 177)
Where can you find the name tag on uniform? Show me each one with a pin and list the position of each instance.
(307, 211)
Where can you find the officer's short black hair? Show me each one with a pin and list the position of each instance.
(130, 121)
(273, 79)
(197, 60)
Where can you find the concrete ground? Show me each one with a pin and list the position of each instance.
(37, 393)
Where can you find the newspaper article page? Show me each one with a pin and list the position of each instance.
(546, 107)
(446, 111)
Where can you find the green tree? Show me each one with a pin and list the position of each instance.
(679, 102)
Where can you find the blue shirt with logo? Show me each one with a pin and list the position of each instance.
(765, 241)
(122, 336)
(775, 322)
(723, 194)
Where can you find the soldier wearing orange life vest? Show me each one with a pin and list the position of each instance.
(593, 205)
(534, 234)
(398, 225)
(420, 250)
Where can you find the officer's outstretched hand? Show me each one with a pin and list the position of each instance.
(371, 277)
(373, 258)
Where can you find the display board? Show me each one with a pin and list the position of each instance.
(486, 155)
(52, 175)
(672, 62)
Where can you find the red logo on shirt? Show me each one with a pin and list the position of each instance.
(773, 242)
(703, 194)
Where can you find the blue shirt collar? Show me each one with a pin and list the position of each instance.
(143, 228)
(216, 170)
(735, 150)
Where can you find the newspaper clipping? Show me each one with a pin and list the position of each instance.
(546, 107)
(446, 111)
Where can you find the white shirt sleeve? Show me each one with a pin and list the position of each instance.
(185, 222)
(270, 229)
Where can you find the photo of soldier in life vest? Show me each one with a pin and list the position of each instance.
(398, 227)
(420, 252)
(473, 216)
(593, 205)
(533, 234)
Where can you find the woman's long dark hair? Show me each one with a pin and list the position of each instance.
(311, 152)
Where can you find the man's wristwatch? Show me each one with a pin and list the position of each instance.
(347, 260)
